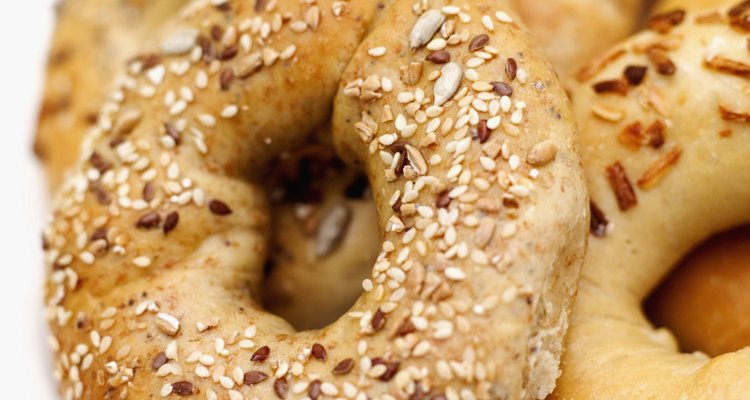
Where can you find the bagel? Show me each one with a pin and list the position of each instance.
(663, 120)
(157, 240)
(90, 49)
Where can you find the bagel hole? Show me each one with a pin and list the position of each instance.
(324, 237)
(704, 302)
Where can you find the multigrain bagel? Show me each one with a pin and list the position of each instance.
(157, 240)
(664, 120)
(95, 38)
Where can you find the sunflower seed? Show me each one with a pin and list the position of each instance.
(127, 121)
(447, 84)
(426, 26)
(167, 323)
(332, 229)
(416, 159)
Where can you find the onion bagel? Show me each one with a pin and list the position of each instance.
(663, 121)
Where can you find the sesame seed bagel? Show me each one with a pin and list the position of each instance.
(664, 120)
(157, 240)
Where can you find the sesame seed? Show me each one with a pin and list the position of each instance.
(377, 51)
(474, 62)
(226, 382)
(329, 389)
(142, 261)
(178, 107)
(166, 390)
(156, 74)
(207, 120)
(454, 273)
(202, 371)
(250, 331)
(180, 42)
(437, 44)
(443, 329)
(451, 10)
(514, 162)
(487, 23)
(503, 17)
(229, 111)
(421, 348)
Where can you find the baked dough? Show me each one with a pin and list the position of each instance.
(666, 167)
(92, 41)
(157, 241)
(573, 32)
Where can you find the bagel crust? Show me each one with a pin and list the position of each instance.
(157, 240)
(92, 41)
(572, 32)
(664, 126)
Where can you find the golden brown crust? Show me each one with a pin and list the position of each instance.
(157, 242)
(572, 32)
(92, 41)
(687, 187)
(704, 301)
(324, 224)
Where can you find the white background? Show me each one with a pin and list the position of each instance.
(25, 372)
